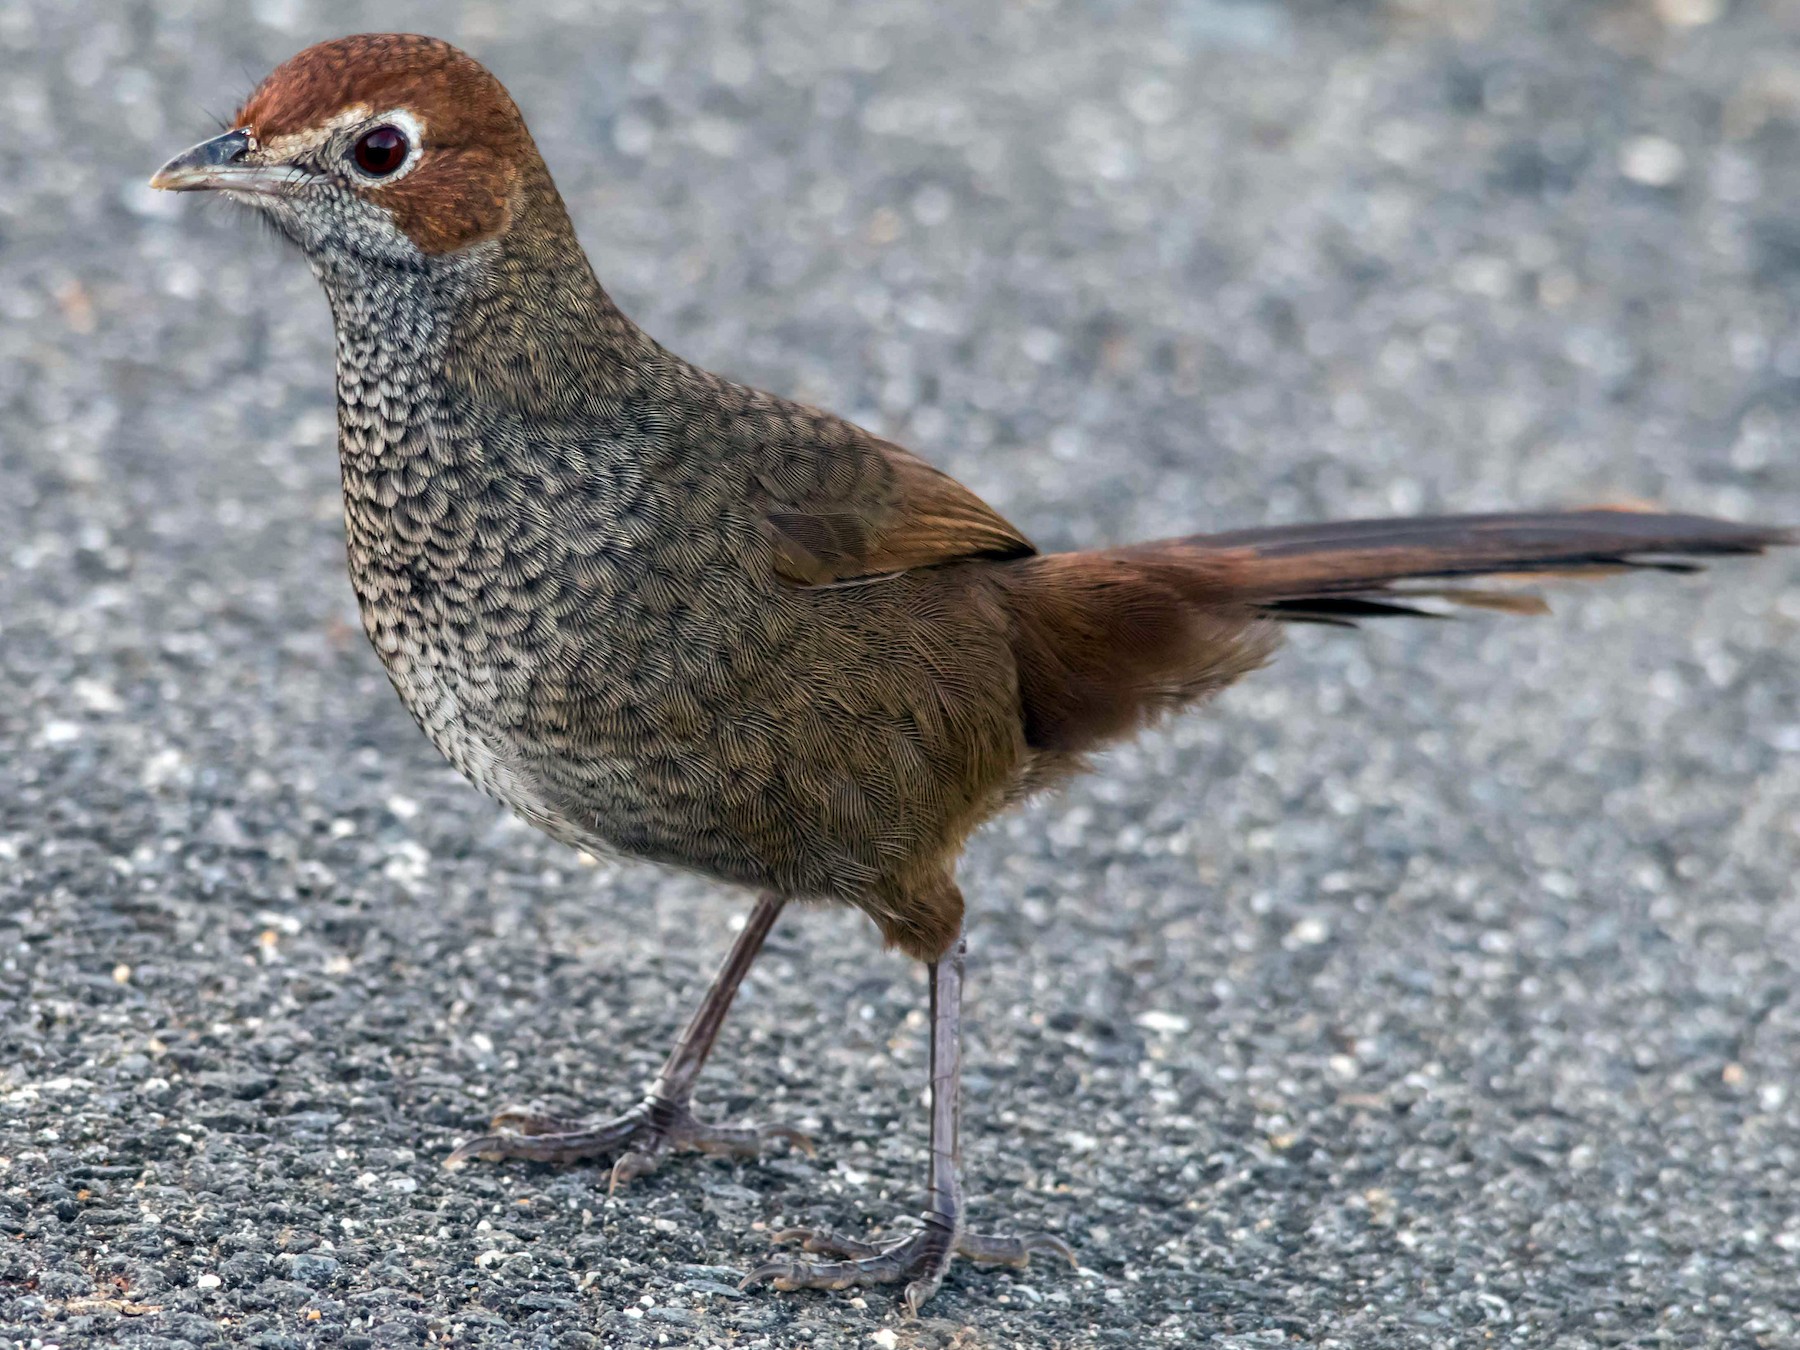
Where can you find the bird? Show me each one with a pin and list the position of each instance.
(665, 616)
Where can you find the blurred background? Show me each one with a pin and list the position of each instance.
(1434, 989)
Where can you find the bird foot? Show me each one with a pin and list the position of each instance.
(920, 1261)
(640, 1138)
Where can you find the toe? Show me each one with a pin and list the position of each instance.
(523, 1120)
(993, 1250)
(640, 1162)
(560, 1146)
(825, 1243)
(919, 1262)
(488, 1147)
(796, 1138)
(790, 1275)
(732, 1141)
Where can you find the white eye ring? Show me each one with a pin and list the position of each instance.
(401, 125)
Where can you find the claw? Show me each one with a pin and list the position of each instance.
(796, 1138)
(781, 1274)
(919, 1292)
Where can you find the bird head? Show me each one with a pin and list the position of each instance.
(388, 147)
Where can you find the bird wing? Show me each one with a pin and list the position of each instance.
(850, 506)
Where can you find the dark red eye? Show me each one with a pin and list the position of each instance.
(381, 151)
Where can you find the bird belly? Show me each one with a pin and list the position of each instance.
(454, 702)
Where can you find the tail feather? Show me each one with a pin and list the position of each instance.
(1304, 571)
(1105, 641)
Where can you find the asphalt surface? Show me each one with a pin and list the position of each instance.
(1434, 989)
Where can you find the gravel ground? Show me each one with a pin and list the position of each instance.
(1432, 991)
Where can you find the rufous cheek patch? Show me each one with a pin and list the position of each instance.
(454, 198)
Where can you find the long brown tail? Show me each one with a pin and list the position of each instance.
(1350, 569)
(1107, 640)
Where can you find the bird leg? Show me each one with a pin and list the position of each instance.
(921, 1259)
(664, 1121)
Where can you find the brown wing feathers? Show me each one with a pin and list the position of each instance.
(891, 512)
